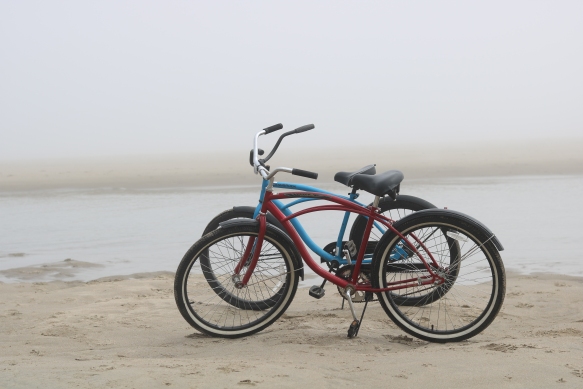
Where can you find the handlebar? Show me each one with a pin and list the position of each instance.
(307, 127)
(259, 164)
(273, 128)
(304, 173)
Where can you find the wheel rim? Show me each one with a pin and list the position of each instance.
(467, 299)
(403, 267)
(232, 309)
(375, 235)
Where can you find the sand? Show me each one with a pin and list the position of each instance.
(127, 333)
(232, 167)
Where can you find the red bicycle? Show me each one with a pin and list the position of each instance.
(437, 273)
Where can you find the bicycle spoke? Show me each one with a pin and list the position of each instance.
(457, 302)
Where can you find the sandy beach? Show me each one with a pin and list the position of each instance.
(125, 332)
(126, 130)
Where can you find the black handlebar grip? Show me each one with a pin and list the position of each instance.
(273, 128)
(305, 173)
(307, 127)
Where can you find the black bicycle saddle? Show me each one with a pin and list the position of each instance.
(386, 183)
(346, 177)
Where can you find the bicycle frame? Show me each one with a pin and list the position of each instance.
(285, 209)
(269, 202)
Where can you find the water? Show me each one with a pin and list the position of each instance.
(132, 231)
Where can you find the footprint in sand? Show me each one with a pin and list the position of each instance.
(228, 369)
(403, 339)
(563, 332)
(64, 331)
(502, 347)
(576, 371)
(248, 382)
(524, 305)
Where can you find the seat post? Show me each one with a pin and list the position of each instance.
(376, 201)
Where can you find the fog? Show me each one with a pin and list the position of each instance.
(124, 78)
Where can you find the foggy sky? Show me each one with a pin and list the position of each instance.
(98, 78)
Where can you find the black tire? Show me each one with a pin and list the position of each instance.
(475, 286)
(237, 213)
(226, 215)
(275, 279)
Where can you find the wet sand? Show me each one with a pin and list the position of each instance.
(127, 333)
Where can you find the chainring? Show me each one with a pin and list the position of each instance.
(345, 272)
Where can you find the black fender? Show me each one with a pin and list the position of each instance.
(297, 258)
(251, 210)
(416, 200)
(476, 223)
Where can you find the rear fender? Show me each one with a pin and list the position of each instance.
(476, 223)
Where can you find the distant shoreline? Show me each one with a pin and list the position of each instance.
(563, 157)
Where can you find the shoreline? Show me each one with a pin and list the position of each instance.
(128, 333)
(66, 272)
(559, 157)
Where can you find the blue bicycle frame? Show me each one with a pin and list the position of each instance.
(285, 208)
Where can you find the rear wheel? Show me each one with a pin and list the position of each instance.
(393, 209)
(218, 307)
(475, 282)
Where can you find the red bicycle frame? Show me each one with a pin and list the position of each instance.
(372, 213)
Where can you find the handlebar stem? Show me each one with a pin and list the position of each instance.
(263, 172)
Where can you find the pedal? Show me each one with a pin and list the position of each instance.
(351, 247)
(317, 292)
(353, 329)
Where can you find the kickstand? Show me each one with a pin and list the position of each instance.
(361, 316)
(342, 307)
(355, 325)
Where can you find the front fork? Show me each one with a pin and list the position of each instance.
(252, 250)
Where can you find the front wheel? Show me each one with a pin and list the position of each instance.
(475, 282)
(220, 308)
(207, 267)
